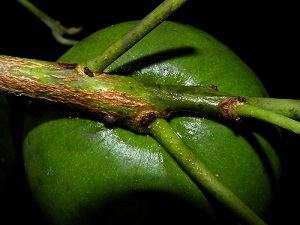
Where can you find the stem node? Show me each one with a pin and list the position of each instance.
(227, 107)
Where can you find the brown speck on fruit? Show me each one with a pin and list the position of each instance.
(67, 65)
(88, 72)
(214, 87)
(227, 108)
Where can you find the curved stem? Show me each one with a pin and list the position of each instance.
(199, 172)
(152, 20)
(247, 110)
(57, 29)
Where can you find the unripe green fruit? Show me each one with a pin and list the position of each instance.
(81, 170)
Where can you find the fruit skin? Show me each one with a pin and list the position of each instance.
(81, 170)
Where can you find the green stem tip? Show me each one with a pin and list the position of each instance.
(147, 24)
(282, 121)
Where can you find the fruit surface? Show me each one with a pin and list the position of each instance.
(81, 170)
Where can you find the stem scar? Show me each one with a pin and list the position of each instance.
(88, 72)
(227, 107)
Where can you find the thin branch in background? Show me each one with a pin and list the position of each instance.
(57, 29)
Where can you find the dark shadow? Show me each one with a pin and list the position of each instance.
(153, 207)
(145, 61)
(16, 201)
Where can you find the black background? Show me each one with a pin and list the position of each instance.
(264, 36)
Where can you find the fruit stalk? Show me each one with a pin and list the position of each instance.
(199, 172)
(270, 117)
(286, 107)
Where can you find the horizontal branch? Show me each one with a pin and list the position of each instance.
(128, 100)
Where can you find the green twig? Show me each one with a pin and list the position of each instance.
(286, 107)
(147, 24)
(201, 175)
(255, 112)
(57, 29)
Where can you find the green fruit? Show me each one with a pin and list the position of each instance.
(81, 170)
(7, 151)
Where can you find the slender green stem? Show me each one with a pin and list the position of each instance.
(199, 172)
(247, 110)
(286, 107)
(147, 24)
(57, 29)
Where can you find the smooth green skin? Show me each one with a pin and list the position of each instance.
(80, 169)
(7, 150)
